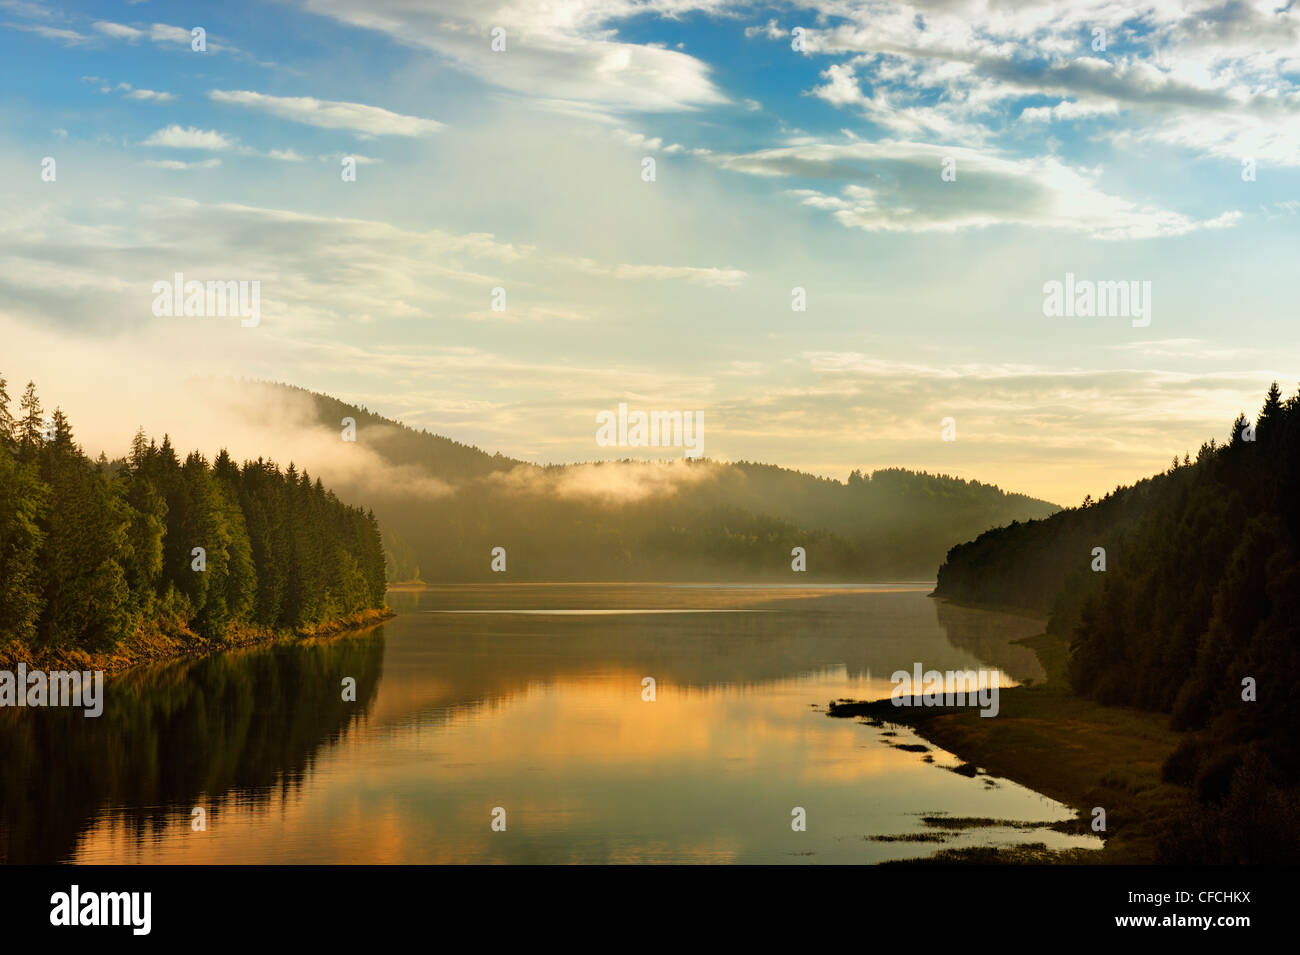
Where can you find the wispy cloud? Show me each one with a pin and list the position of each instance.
(119, 31)
(566, 55)
(154, 96)
(327, 114)
(188, 137)
(897, 187)
(62, 35)
(182, 164)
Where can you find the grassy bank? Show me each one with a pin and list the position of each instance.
(1073, 750)
(164, 642)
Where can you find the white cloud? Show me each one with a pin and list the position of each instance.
(181, 164)
(155, 96)
(896, 187)
(639, 140)
(556, 53)
(531, 313)
(1234, 136)
(1068, 110)
(316, 271)
(188, 137)
(1217, 79)
(327, 114)
(24, 9)
(728, 278)
(66, 37)
(162, 33)
(118, 31)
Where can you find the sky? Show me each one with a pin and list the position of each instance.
(920, 171)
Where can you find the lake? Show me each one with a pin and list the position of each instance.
(527, 704)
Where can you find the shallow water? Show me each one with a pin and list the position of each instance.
(533, 703)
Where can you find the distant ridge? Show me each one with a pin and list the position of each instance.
(622, 520)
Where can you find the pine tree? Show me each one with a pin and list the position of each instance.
(31, 426)
(148, 525)
(90, 551)
(7, 422)
(62, 439)
(139, 457)
(1270, 414)
(24, 500)
(87, 599)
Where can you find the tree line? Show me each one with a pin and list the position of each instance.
(1197, 614)
(93, 552)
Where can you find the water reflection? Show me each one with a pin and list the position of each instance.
(231, 730)
(541, 713)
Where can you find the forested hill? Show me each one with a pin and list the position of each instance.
(442, 457)
(679, 520)
(1201, 591)
(95, 554)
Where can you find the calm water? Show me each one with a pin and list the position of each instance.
(528, 698)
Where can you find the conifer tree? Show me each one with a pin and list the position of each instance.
(31, 425)
(89, 552)
(7, 423)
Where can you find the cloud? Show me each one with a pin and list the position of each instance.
(1209, 77)
(118, 31)
(531, 313)
(555, 53)
(1193, 348)
(896, 187)
(163, 33)
(24, 9)
(66, 37)
(639, 140)
(180, 164)
(107, 86)
(1229, 136)
(155, 96)
(728, 278)
(188, 137)
(317, 273)
(327, 114)
(1068, 110)
(1114, 410)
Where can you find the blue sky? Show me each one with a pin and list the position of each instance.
(775, 168)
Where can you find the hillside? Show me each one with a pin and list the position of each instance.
(1196, 614)
(678, 520)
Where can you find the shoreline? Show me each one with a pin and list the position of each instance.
(775, 584)
(159, 646)
(1063, 746)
